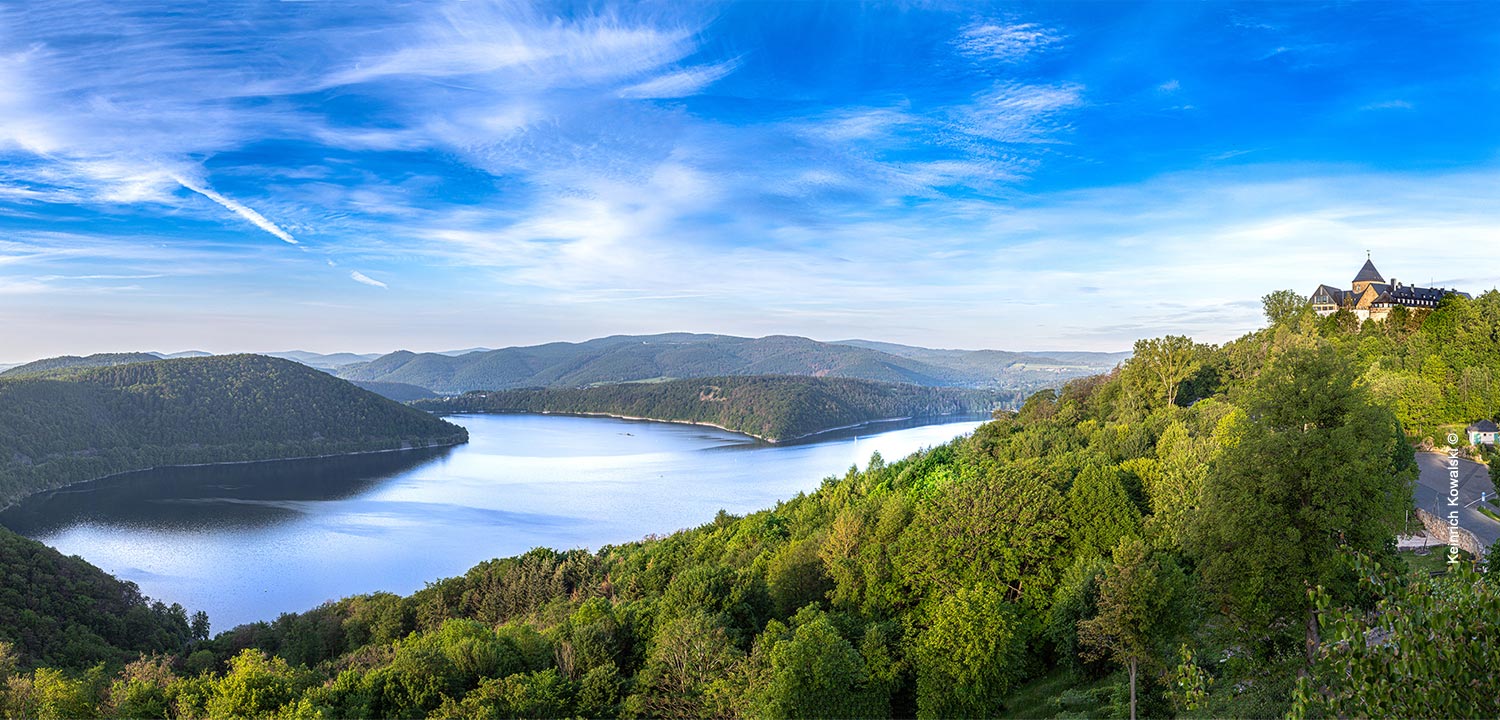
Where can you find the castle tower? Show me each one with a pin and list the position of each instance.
(1367, 275)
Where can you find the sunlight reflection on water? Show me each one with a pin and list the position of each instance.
(248, 542)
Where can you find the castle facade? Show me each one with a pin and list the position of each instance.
(1371, 297)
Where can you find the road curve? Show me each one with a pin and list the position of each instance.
(1473, 479)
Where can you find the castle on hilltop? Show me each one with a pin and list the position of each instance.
(1370, 297)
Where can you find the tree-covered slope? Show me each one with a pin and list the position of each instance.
(681, 356)
(90, 423)
(60, 611)
(69, 363)
(400, 392)
(774, 408)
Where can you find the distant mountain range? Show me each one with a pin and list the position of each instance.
(980, 360)
(405, 375)
(321, 361)
(632, 358)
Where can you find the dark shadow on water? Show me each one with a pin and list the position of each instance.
(218, 497)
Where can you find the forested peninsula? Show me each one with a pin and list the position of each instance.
(61, 423)
(774, 408)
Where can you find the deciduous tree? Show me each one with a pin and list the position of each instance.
(1168, 361)
(1140, 610)
(1283, 306)
(970, 655)
(1428, 650)
(1317, 469)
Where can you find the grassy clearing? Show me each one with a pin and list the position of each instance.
(1435, 560)
(1061, 694)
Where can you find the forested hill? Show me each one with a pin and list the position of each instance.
(69, 363)
(400, 392)
(91, 423)
(629, 358)
(63, 612)
(773, 408)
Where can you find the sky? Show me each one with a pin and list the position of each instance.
(361, 176)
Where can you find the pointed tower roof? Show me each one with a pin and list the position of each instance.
(1368, 273)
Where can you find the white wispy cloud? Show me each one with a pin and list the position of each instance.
(1019, 113)
(992, 139)
(146, 95)
(238, 208)
(940, 270)
(10, 286)
(863, 124)
(475, 41)
(78, 263)
(362, 278)
(1388, 105)
(52, 278)
(680, 83)
(508, 89)
(1005, 42)
(600, 190)
(533, 165)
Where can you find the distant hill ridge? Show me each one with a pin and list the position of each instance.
(74, 362)
(400, 392)
(774, 408)
(75, 423)
(1058, 358)
(629, 358)
(324, 361)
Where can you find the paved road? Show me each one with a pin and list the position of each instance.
(1473, 479)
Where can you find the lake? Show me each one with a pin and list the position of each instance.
(249, 542)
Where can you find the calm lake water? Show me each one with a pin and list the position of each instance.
(249, 542)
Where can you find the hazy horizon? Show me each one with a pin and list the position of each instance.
(1066, 176)
(263, 351)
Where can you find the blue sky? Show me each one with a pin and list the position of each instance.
(371, 176)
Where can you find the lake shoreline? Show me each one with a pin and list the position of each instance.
(634, 418)
(938, 419)
(247, 542)
(73, 483)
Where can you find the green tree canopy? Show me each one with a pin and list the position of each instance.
(1428, 650)
(1317, 469)
(812, 672)
(1164, 364)
(1284, 306)
(972, 652)
(1140, 610)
